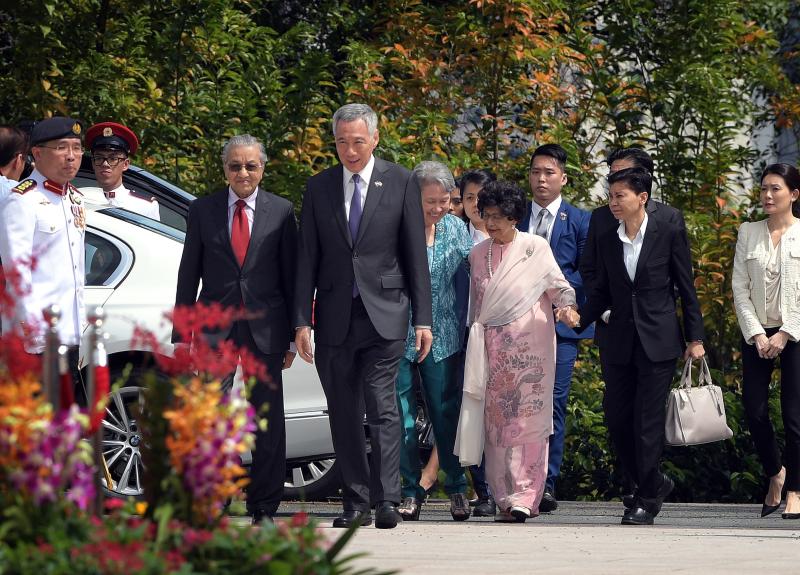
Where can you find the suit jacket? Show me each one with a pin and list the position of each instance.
(265, 283)
(388, 260)
(567, 242)
(601, 221)
(750, 279)
(645, 305)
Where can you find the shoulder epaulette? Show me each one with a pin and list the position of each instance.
(142, 196)
(25, 186)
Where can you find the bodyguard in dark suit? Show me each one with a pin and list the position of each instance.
(641, 264)
(362, 250)
(241, 242)
(565, 228)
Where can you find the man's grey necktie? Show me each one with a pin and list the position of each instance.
(354, 219)
(543, 223)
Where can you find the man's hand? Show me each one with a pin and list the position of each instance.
(288, 358)
(694, 350)
(302, 340)
(423, 342)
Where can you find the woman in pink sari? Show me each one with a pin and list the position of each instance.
(507, 406)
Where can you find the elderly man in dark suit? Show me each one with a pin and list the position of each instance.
(602, 221)
(641, 265)
(362, 250)
(565, 227)
(241, 242)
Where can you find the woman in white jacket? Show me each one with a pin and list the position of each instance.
(766, 295)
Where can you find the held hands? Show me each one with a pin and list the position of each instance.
(302, 340)
(423, 342)
(694, 350)
(568, 316)
(771, 347)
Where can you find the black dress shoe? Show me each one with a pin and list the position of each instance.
(409, 508)
(349, 517)
(666, 487)
(637, 516)
(485, 507)
(790, 515)
(386, 515)
(260, 516)
(769, 509)
(629, 500)
(548, 502)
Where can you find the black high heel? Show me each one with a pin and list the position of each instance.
(768, 509)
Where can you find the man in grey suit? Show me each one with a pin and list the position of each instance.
(241, 242)
(362, 251)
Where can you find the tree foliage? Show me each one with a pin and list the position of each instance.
(473, 83)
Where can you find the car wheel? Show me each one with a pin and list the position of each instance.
(121, 442)
(311, 480)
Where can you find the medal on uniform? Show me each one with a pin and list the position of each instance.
(79, 216)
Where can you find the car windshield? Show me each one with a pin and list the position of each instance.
(145, 222)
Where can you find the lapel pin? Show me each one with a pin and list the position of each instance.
(378, 184)
(562, 215)
(529, 252)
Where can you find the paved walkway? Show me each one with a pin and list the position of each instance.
(579, 538)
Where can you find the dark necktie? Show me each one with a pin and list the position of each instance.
(240, 232)
(355, 218)
(543, 223)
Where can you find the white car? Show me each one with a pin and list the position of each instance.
(131, 271)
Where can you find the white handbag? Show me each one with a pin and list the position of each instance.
(696, 415)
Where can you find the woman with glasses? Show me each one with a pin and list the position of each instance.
(111, 144)
(507, 404)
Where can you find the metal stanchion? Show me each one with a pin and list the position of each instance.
(51, 380)
(98, 367)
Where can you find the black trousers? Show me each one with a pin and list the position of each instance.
(756, 377)
(358, 377)
(268, 469)
(635, 409)
(78, 384)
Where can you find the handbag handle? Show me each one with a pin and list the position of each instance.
(704, 376)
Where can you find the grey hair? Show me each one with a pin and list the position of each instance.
(243, 140)
(430, 172)
(353, 112)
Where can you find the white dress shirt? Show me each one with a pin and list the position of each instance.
(553, 207)
(477, 235)
(349, 187)
(5, 186)
(249, 208)
(632, 249)
(122, 197)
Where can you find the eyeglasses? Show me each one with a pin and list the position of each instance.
(112, 161)
(250, 167)
(64, 149)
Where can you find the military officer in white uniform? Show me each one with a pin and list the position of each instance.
(111, 145)
(42, 228)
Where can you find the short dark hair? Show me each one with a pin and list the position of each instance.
(791, 177)
(504, 195)
(478, 177)
(638, 156)
(554, 151)
(13, 141)
(638, 179)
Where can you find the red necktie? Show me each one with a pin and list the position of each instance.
(240, 232)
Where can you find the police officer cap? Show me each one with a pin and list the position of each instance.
(112, 135)
(55, 129)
